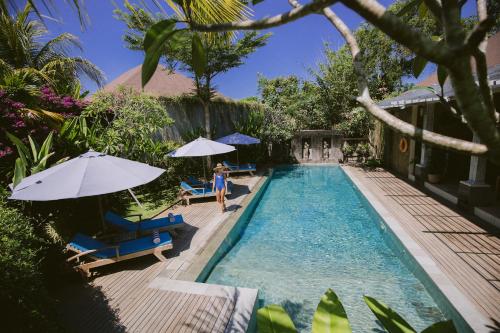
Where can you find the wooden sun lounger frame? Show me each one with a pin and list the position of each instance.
(85, 267)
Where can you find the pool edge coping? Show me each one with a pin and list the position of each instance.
(468, 311)
(202, 259)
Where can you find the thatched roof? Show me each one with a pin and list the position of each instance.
(163, 83)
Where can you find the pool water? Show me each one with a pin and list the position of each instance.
(311, 231)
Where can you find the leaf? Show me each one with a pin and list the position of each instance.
(256, 2)
(390, 319)
(441, 327)
(40, 166)
(274, 319)
(418, 65)
(198, 55)
(408, 7)
(46, 146)
(155, 38)
(422, 10)
(330, 315)
(19, 172)
(442, 74)
(22, 149)
(156, 35)
(34, 149)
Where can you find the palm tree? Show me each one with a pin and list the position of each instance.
(27, 63)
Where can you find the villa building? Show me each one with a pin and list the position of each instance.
(468, 181)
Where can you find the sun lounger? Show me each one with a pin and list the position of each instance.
(189, 192)
(235, 168)
(193, 181)
(92, 253)
(144, 226)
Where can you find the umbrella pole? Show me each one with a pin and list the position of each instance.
(99, 201)
(134, 197)
(204, 170)
(237, 157)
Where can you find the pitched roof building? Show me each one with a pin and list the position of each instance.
(461, 179)
(164, 83)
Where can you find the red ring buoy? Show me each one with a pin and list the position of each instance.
(403, 145)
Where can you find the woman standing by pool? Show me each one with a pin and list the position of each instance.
(220, 185)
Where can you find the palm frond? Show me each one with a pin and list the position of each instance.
(61, 45)
(212, 12)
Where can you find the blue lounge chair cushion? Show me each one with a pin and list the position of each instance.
(196, 191)
(84, 243)
(195, 181)
(241, 167)
(144, 225)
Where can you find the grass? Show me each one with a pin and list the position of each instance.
(152, 205)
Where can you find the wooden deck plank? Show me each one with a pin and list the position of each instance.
(128, 304)
(466, 252)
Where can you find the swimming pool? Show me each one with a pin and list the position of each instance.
(313, 230)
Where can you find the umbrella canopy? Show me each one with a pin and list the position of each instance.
(89, 174)
(201, 147)
(238, 139)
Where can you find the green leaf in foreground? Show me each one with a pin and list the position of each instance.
(442, 74)
(418, 65)
(441, 327)
(155, 38)
(274, 319)
(198, 55)
(330, 316)
(390, 319)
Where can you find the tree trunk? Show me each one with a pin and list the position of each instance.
(208, 127)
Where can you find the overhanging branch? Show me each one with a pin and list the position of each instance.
(270, 22)
(390, 120)
(399, 31)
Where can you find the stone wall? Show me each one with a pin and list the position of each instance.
(188, 116)
(323, 146)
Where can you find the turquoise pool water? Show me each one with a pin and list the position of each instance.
(311, 231)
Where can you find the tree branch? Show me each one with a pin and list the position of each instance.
(435, 7)
(479, 32)
(481, 65)
(385, 117)
(270, 22)
(401, 32)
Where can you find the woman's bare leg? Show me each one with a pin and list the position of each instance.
(222, 194)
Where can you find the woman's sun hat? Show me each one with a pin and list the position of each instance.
(220, 167)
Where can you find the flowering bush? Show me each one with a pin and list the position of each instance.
(66, 105)
(22, 120)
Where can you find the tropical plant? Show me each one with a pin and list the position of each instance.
(203, 55)
(124, 123)
(27, 62)
(330, 316)
(33, 158)
(297, 98)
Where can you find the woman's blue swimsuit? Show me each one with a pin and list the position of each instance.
(219, 182)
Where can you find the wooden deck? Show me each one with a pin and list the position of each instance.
(466, 252)
(124, 297)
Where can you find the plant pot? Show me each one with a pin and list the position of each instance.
(434, 178)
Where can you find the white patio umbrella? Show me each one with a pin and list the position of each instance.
(201, 147)
(89, 174)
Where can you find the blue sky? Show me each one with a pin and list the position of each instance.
(292, 49)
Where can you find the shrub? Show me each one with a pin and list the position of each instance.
(129, 125)
(24, 300)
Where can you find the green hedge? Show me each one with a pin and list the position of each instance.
(24, 300)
